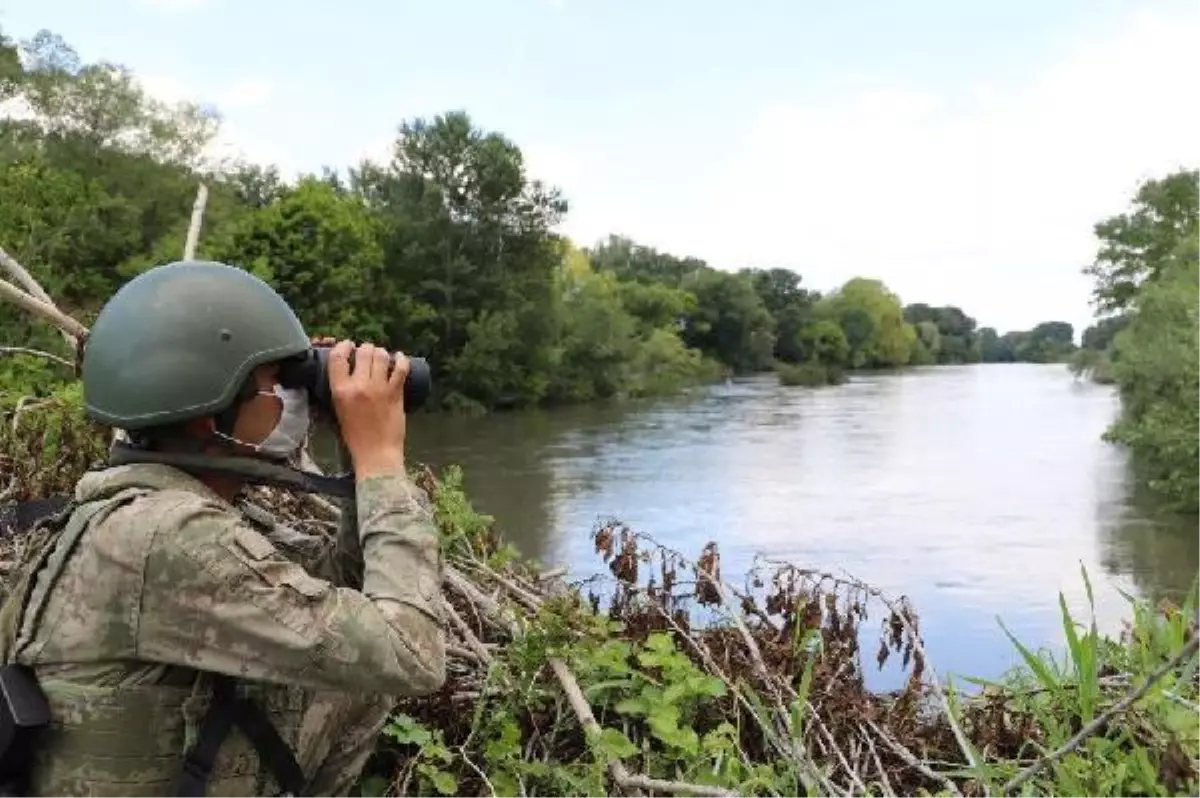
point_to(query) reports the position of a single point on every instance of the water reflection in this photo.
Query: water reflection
(1156, 551)
(978, 491)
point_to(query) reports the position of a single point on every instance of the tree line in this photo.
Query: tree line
(1146, 339)
(448, 251)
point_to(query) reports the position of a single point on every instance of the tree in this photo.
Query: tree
(873, 321)
(1157, 370)
(447, 250)
(320, 251)
(1100, 335)
(1135, 245)
(730, 321)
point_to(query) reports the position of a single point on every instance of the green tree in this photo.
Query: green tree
(873, 320)
(730, 321)
(1157, 372)
(1136, 244)
(320, 250)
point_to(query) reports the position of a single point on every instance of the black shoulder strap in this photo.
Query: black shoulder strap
(226, 710)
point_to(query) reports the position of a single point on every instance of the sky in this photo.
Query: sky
(959, 151)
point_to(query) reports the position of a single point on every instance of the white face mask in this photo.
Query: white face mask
(290, 431)
(289, 434)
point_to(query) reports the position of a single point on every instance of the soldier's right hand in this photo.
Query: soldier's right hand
(369, 406)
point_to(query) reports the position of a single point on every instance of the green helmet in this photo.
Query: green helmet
(178, 342)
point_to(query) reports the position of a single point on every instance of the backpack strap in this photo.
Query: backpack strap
(227, 710)
(53, 558)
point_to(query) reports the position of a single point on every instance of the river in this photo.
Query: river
(977, 491)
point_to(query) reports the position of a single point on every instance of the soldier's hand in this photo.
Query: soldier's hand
(370, 406)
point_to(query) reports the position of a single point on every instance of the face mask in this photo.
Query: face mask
(289, 432)
(292, 428)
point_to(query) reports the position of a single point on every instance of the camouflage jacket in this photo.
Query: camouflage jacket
(161, 580)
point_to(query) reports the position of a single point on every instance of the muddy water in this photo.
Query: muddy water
(978, 491)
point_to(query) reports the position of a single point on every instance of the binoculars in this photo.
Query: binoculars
(311, 372)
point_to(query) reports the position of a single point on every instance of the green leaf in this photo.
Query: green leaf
(613, 743)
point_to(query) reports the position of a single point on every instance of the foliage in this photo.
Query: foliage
(945, 334)
(810, 373)
(45, 444)
(1135, 246)
(1158, 373)
(1146, 271)
(448, 250)
(678, 700)
(765, 696)
(1093, 364)
(872, 319)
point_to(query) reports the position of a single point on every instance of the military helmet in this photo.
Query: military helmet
(179, 341)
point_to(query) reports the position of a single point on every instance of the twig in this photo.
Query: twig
(26, 281)
(934, 683)
(1087, 731)
(461, 653)
(553, 573)
(530, 601)
(24, 405)
(911, 760)
(24, 350)
(661, 785)
(751, 646)
(583, 711)
(462, 751)
(883, 778)
(833, 746)
(468, 636)
(44, 309)
(23, 277)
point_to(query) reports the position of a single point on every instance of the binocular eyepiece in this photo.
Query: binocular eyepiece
(311, 372)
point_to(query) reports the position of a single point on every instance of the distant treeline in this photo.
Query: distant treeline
(446, 251)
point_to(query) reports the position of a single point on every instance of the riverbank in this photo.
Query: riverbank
(615, 684)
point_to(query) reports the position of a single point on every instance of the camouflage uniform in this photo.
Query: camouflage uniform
(167, 581)
(158, 594)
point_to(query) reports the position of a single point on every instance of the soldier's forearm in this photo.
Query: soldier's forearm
(401, 553)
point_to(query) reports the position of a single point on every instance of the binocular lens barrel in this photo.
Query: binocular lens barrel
(311, 371)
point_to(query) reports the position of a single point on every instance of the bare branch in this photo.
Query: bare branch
(23, 350)
(26, 281)
(193, 233)
(43, 309)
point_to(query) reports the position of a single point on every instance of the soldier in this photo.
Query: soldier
(187, 647)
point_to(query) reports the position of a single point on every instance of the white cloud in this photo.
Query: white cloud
(984, 199)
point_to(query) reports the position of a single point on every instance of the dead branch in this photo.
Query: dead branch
(45, 310)
(24, 350)
(193, 233)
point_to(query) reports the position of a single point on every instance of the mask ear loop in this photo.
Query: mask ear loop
(224, 421)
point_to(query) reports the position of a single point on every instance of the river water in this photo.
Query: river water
(977, 491)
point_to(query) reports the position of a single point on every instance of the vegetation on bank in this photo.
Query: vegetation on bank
(613, 686)
(1147, 340)
(447, 251)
